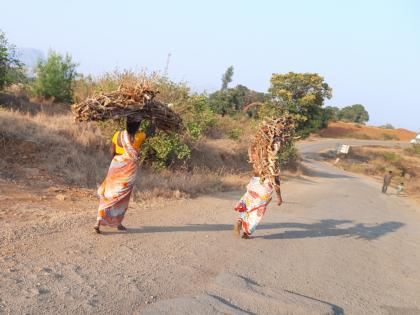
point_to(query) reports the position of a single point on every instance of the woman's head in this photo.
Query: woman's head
(132, 126)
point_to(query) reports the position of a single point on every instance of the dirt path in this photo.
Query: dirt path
(337, 246)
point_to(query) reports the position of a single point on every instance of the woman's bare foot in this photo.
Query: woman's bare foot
(97, 230)
(245, 236)
(237, 228)
(121, 227)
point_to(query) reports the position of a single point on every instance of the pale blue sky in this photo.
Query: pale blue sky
(368, 51)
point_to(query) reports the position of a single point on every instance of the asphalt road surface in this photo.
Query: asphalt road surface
(336, 246)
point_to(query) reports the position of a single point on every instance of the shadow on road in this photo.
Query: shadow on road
(330, 228)
(323, 228)
(335, 308)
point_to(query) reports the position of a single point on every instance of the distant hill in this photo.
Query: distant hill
(341, 129)
(30, 56)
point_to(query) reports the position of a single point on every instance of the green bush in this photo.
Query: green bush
(194, 130)
(55, 78)
(391, 157)
(235, 133)
(11, 69)
(197, 116)
(387, 136)
(163, 149)
(288, 158)
(387, 126)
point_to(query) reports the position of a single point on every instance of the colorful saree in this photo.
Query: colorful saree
(252, 205)
(115, 191)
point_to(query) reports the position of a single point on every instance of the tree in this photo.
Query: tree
(354, 113)
(331, 113)
(55, 77)
(227, 78)
(302, 95)
(233, 100)
(11, 69)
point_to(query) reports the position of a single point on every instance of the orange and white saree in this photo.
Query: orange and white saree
(253, 204)
(115, 191)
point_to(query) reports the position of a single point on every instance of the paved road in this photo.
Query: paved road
(337, 246)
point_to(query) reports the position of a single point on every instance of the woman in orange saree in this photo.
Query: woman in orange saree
(115, 191)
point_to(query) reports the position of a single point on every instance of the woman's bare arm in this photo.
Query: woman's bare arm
(112, 150)
(278, 190)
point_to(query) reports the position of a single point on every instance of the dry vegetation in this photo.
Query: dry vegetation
(272, 136)
(42, 145)
(341, 129)
(376, 161)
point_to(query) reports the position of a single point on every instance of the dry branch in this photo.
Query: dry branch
(272, 137)
(128, 101)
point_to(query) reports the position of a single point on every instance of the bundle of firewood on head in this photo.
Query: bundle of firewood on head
(133, 102)
(272, 137)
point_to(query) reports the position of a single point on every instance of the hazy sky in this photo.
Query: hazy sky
(368, 51)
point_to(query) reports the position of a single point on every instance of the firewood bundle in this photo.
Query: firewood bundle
(135, 102)
(273, 136)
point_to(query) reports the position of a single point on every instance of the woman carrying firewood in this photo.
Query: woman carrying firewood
(115, 191)
(272, 137)
(252, 206)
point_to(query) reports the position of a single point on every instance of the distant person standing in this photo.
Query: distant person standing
(387, 181)
(400, 189)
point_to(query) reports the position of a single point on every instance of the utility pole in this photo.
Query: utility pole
(168, 59)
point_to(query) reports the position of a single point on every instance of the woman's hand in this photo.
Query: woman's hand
(279, 200)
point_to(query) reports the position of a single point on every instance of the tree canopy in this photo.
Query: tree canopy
(227, 78)
(233, 100)
(55, 77)
(11, 69)
(302, 95)
(354, 113)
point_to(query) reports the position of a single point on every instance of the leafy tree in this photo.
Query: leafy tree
(302, 95)
(233, 100)
(11, 69)
(227, 78)
(354, 113)
(55, 78)
(331, 113)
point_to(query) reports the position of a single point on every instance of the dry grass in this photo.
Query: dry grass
(55, 144)
(341, 129)
(64, 152)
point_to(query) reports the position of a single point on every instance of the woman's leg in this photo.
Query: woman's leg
(96, 227)
(237, 228)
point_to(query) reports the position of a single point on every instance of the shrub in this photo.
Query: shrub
(413, 150)
(163, 149)
(391, 157)
(288, 158)
(11, 69)
(55, 78)
(197, 115)
(387, 136)
(194, 130)
(387, 126)
(235, 133)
